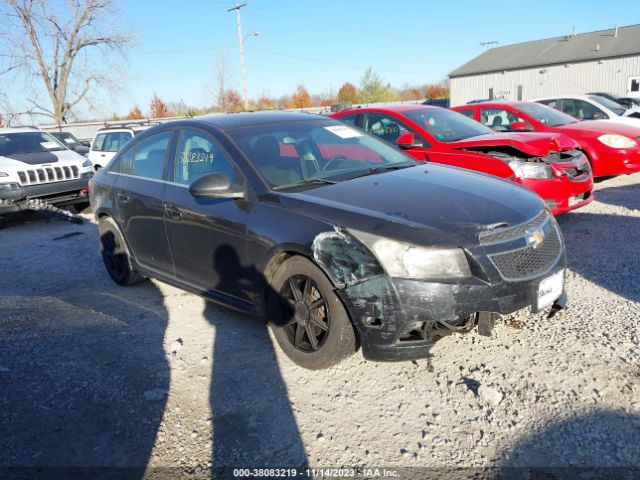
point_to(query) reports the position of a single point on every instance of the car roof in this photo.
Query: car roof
(575, 97)
(264, 117)
(398, 108)
(489, 103)
(20, 129)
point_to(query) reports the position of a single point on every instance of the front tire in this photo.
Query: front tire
(307, 318)
(115, 254)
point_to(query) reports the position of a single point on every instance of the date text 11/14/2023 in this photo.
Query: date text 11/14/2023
(315, 473)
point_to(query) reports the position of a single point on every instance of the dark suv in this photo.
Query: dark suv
(339, 239)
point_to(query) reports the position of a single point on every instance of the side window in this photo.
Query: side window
(550, 103)
(123, 164)
(350, 119)
(197, 155)
(500, 119)
(587, 111)
(98, 142)
(467, 112)
(383, 126)
(147, 158)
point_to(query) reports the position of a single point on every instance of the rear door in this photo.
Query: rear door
(138, 190)
(207, 236)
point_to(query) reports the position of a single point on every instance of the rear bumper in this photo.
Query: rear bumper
(58, 193)
(385, 310)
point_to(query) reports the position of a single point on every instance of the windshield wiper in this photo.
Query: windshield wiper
(376, 170)
(309, 182)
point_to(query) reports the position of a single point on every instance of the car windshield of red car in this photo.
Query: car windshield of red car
(547, 115)
(446, 125)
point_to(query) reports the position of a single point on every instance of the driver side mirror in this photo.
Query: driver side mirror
(519, 127)
(215, 185)
(408, 140)
(599, 116)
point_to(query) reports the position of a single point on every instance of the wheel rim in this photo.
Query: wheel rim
(115, 261)
(306, 314)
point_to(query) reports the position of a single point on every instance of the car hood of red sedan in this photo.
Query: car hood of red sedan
(595, 128)
(537, 144)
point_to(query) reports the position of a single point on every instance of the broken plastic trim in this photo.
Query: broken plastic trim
(346, 259)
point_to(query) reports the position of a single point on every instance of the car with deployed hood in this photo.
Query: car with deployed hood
(626, 102)
(611, 148)
(34, 165)
(337, 238)
(549, 164)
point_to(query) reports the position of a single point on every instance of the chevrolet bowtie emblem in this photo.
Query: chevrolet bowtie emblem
(535, 237)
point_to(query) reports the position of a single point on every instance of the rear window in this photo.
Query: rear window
(28, 142)
(110, 141)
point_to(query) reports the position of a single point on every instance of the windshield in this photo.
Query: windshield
(615, 107)
(27, 142)
(314, 152)
(69, 140)
(547, 115)
(446, 125)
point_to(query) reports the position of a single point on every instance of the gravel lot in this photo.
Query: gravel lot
(92, 374)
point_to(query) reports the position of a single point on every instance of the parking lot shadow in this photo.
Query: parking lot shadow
(253, 420)
(598, 446)
(627, 196)
(83, 373)
(593, 249)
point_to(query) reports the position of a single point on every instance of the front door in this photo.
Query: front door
(207, 236)
(139, 189)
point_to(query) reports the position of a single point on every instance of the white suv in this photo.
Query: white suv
(34, 165)
(108, 141)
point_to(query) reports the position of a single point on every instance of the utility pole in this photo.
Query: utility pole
(241, 43)
(488, 43)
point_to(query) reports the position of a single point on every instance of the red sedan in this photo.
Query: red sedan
(549, 164)
(612, 148)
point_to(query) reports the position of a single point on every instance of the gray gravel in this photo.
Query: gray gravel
(96, 375)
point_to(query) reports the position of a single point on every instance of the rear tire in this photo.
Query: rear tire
(307, 318)
(115, 254)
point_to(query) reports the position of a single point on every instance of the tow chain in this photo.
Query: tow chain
(39, 205)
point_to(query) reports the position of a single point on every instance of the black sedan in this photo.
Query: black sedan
(337, 238)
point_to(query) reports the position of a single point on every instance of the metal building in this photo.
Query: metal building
(606, 61)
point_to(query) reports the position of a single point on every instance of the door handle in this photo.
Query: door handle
(122, 198)
(172, 212)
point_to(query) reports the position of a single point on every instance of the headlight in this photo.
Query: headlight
(404, 260)
(617, 141)
(87, 163)
(530, 170)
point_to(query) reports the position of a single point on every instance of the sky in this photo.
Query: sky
(322, 44)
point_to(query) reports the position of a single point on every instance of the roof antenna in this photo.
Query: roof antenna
(615, 34)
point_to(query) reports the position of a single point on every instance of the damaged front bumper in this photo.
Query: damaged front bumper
(400, 319)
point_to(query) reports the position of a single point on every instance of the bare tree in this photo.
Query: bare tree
(222, 97)
(54, 41)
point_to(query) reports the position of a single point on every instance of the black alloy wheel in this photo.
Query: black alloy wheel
(307, 318)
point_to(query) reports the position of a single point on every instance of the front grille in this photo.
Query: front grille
(532, 260)
(37, 176)
(510, 233)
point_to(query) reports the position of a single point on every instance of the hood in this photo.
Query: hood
(595, 128)
(535, 144)
(632, 112)
(24, 160)
(426, 204)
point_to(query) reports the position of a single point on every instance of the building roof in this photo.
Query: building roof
(554, 51)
